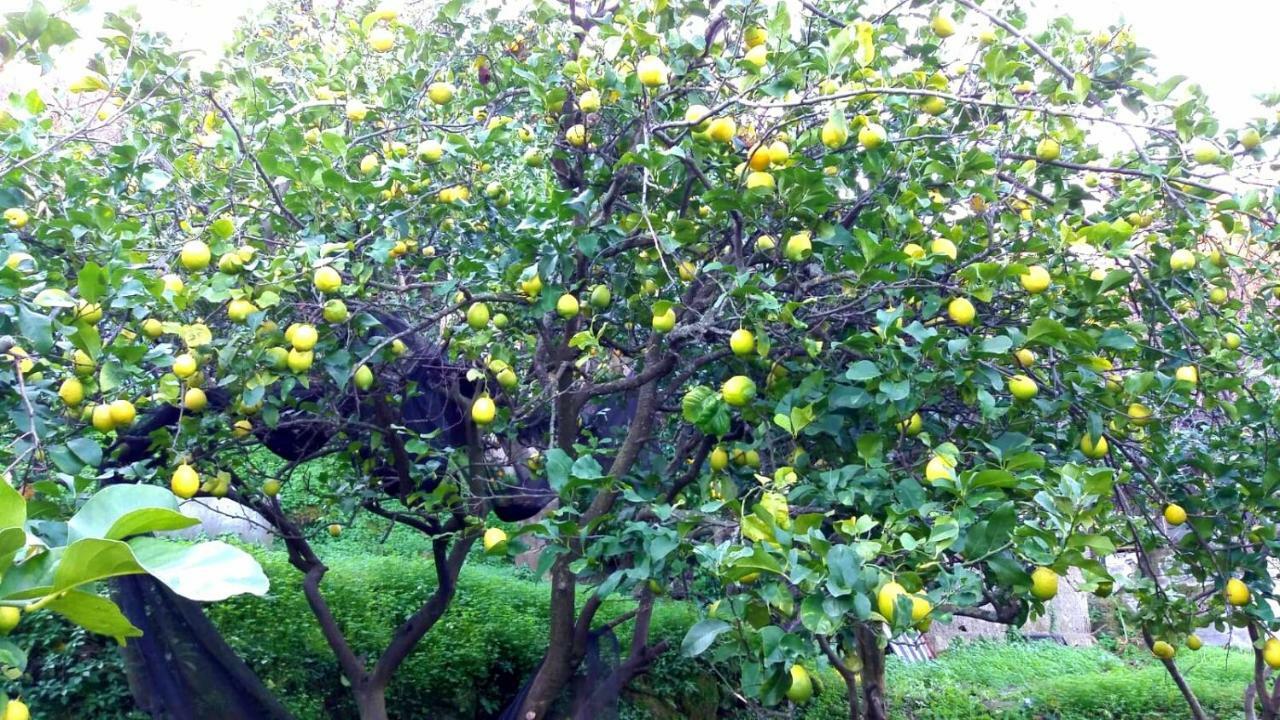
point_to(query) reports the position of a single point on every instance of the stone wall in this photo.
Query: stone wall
(1066, 616)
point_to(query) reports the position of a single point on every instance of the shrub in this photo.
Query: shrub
(71, 674)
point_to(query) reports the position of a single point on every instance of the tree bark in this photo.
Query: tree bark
(849, 676)
(561, 661)
(1193, 703)
(873, 686)
(371, 703)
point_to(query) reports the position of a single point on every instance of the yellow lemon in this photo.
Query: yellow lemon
(483, 410)
(185, 482)
(961, 311)
(1035, 280)
(1174, 514)
(1044, 583)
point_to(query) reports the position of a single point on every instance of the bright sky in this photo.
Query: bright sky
(1227, 46)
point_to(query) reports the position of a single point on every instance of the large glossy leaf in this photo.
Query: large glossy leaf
(701, 636)
(13, 507)
(12, 539)
(92, 559)
(12, 656)
(207, 571)
(117, 512)
(31, 578)
(95, 614)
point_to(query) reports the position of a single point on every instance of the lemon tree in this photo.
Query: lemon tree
(834, 320)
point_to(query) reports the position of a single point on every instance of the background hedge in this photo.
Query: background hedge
(494, 633)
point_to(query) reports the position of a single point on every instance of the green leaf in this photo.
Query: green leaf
(36, 329)
(701, 636)
(153, 181)
(95, 614)
(333, 141)
(13, 507)
(1045, 329)
(12, 656)
(205, 572)
(120, 511)
(814, 617)
(862, 370)
(12, 539)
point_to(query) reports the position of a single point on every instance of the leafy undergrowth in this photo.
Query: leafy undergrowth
(494, 634)
(1046, 681)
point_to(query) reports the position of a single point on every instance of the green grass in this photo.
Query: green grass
(1046, 681)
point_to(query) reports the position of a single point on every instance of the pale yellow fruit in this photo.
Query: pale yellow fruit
(961, 311)
(872, 136)
(381, 39)
(738, 390)
(1138, 414)
(173, 283)
(742, 342)
(943, 246)
(1203, 151)
(16, 710)
(1271, 653)
(1174, 514)
(495, 539)
(195, 255)
(1162, 650)
(1237, 593)
(100, 418)
(1044, 583)
(1023, 387)
(1187, 374)
(567, 306)
(194, 400)
(1025, 357)
(1048, 150)
(1194, 642)
(441, 92)
(798, 247)
(589, 101)
(16, 217)
(576, 135)
(943, 26)
(71, 391)
(913, 425)
(1182, 260)
(664, 322)
(651, 71)
(9, 618)
(719, 459)
(483, 410)
(122, 413)
(299, 361)
(478, 316)
(1035, 280)
(185, 481)
(762, 180)
(304, 337)
(834, 135)
(326, 279)
(722, 130)
(241, 429)
(1093, 449)
(356, 110)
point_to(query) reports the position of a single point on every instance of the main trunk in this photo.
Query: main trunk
(873, 690)
(371, 703)
(556, 669)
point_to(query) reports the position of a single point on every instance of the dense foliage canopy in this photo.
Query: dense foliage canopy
(835, 319)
